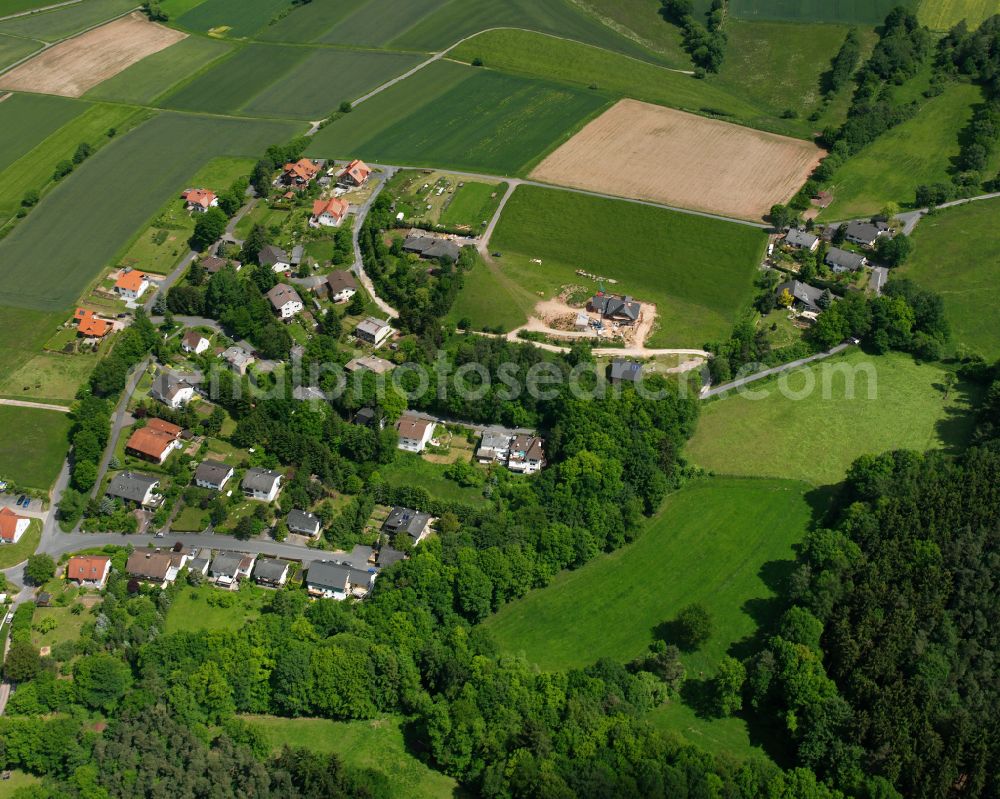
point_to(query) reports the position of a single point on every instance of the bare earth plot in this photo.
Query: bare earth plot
(648, 152)
(76, 65)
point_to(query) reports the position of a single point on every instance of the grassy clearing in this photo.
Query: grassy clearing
(918, 151)
(861, 12)
(941, 15)
(51, 26)
(192, 612)
(957, 254)
(699, 272)
(240, 18)
(12, 554)
(101, 205)
(143, 82)
(473, 204)
(18, 779)
(68, 625)
(379, 745)
(27, 119)
(640, 21)
(482, 121)
(816, 439)
(49, 377)
(33, 445)
(14, 49)
(409, 469)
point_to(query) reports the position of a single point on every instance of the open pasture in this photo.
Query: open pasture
(32, 446)
(72, 67)
(51, 26)
(232, 18)
(107, 199)
(941, 15)
(469, 119)
(27, 119)
(699, 272)
(651, 153)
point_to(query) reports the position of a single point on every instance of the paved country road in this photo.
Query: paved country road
(785, 367)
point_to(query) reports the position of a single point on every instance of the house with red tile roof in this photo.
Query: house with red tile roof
(200, 200)
(355, 173)
(301, 173)
(131, 284)
(329, 213)
(90, 325)
(155, 441)
(12, 526)
(89, 570)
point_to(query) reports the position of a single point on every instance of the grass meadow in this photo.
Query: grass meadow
(99, 208)
(240, 18)
(410, 469)
(46, 376)
(957, 254)
(379, 744)
(191, 611)
(816, 439)
(469, 119)
(51, 26)
(699, 272)
(473, 204)
(941, 15)
(32, 446)
(27, 119)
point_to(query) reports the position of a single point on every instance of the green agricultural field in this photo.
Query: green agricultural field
(918, 151)
(191, 610)
(957, 254)
(473, 204)
(699, 272)
(177, 8)
(27, 119)
(24, 333)
(32, 446)
(907, 409)
(309, 22)
(35, 168)
(640, 21)
(374, 23)
(238, 18)
(941, 15)
(8, 7)
(482, 120)
(51, 26)
(14, 49)
(143, 82)
(861, 12)
(379, 745)
(99, 207)
(410, 469)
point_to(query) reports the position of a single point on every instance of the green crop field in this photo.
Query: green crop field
(107, 199)
(14, 49)
(751, 435)
(8, 7)
(148, 79)
(241, 18)
(379, 745)
(32, 446)
(374, 23)
(941, 15)
(472, 119)
(27, 119)
(177, 8)
(957, 254)
(699, 272)
(51, 26)
(862, 12)
(24, 333)
(918, 151)
(640, 21)
(473, 204)
(309, 22)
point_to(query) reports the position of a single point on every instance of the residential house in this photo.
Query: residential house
(801, 240)
(90, 325)
(414, 432)
(303, 523)
(274, 257)
(229, 567)
(300, 173)
(387, 556)
(271, 572)
(527, 454)
(155, 441)
(90, 571)
(213, 475)
(238, 359)
(285, 300)
(625, 371)
(171, 390)
(804, 296)
(131, 284)
(298, 253)
(355, 173)
(199, 566)
(844, 260)
(494, 446)
(12, 526)
(366, 417)
(213, 264)
(261, 484)
(329, 213)
(431, 247)
(195, 342)
(154, 566)
(341, 286)
(332, 580)
(135, 488)
(370, 363)
(373, 331)
(199, 200)
(409, 522)
(622, 309)
(865, 234)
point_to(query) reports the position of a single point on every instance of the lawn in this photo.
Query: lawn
(191, 519)
(379, 745)
(67, 627)
(817, 438)
(726, 543)
(470, 119)
(12, 554)
(941, 15)
(473, 204)
(33, 445)
(919, 150)
(699, 272)
(18, 779)
(192, 612)
(14, 49)
(148, 79)
(51, 26)
(957, 254)
(27, 119)
(861, 12)
(237, 18)
(409, 469)
(99, 207)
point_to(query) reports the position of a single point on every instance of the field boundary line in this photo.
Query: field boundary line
(42, 406)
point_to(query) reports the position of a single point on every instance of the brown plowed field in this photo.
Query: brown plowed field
(72, 67)
(648, 152)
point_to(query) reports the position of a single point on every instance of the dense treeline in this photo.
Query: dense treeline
(844, 64)
(706, 43)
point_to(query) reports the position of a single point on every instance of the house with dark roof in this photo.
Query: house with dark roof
(194, 342)
(414, 432)
(623, 310)
(271, 572)
(332, 580)
(373, 331)
(285, 300)
(229, 567)
(274, 257)
(865, 234)
(801, 240)
(844, 260)
(155, 566)
(366, 417)
(431, 247)
(213, 475)
(804, 296)
(409, 522)
(625, 371)
(387, 556)
(493, 446)
(170, 389)
(527, 454)
(341, 285)
(303, 523)
(261, 484)
(135, 488)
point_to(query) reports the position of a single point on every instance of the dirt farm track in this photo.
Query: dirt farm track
(72, 67)
(648, 152)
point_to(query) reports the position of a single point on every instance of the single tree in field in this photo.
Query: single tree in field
(692, 627)
(208, 229)
(39, 570)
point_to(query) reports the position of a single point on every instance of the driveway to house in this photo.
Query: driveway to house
(121, 420)
(877, 280)
(707, 392)
(42, 406)
(359, 266)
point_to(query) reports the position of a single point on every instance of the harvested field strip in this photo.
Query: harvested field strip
(51, 26)
(27, 119)
(941, 15)
(241, 18)
(109, 197)
(650, 153)
(72, 67)
(142, 83)
(13, 49)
